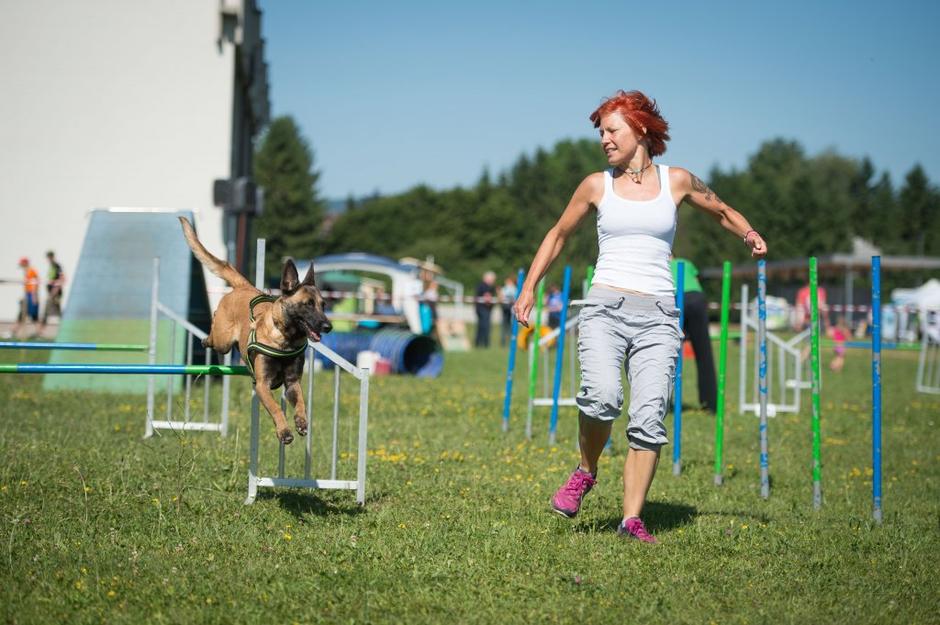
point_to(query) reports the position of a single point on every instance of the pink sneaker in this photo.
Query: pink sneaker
(634, 528)
(567, 500)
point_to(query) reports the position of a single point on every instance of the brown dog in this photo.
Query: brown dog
(271, 333)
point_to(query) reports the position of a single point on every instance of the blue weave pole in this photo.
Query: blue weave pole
(512, 356)
(762, 370)
(876, 387)
(560, 355)
(677, 393)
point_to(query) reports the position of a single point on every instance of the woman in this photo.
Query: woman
(630, 310)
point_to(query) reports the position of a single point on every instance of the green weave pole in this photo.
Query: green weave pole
(722, 371)
(534, 355)
(814, 340)
(588, 280)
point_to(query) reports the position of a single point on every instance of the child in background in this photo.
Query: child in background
(839, 334)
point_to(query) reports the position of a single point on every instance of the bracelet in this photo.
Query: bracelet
(748, 233)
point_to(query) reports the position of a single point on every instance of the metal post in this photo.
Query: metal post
(189, 379)
(742, 356)
(363, 433)
(226, 386)
(255, 425)
(169, 381)
(205, 394)
(152, 345)
(335, 421)
(280, 445)
(677, 392)
(308, 445)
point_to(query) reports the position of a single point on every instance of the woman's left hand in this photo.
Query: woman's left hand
(757, 244)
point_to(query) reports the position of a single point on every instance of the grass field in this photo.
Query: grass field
(99, 525)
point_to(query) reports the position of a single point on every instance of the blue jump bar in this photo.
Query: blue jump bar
(127, 369)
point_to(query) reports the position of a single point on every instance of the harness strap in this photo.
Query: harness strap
(261, 348)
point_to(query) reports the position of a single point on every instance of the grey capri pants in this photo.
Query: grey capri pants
(614, 326)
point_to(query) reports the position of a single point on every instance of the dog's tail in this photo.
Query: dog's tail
(217, 266)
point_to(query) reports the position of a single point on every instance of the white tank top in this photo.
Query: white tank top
(635, 239)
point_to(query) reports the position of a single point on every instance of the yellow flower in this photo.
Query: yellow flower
(111, 594)
(287, 536)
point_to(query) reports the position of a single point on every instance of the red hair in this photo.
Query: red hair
(640, 112)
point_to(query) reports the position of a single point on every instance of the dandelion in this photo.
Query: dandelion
(111, 594)
(287, 536)
(402, 526)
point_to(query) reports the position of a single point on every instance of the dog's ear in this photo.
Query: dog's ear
(290, 281)
(310, 278)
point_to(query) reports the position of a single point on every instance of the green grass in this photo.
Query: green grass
(97, 524)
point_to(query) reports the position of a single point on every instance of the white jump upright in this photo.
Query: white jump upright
(928, 364)
(785, 367)
(255, 480)
(157, 308)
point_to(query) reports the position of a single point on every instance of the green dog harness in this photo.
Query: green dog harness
(261, 348)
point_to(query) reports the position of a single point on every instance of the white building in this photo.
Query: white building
(112, 103)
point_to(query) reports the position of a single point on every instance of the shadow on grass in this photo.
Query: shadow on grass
(303, 504)
(657, 515)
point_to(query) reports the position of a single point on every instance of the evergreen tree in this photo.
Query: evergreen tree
(919, 213)
(293, 212)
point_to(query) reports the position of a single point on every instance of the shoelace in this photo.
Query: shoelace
(577, 482)
(639, 530)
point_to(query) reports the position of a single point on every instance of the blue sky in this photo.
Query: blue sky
(392, 94)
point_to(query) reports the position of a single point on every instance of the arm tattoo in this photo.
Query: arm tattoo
(701, 187)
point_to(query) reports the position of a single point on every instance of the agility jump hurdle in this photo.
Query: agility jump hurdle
(928, 364)
(255, 480)
(157, 308)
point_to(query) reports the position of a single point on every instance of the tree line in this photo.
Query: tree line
(803, 205)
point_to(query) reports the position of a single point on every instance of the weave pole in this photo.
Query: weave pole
(512, 356)
(722, 371)
(817, 378)
(762, 370)
(677, 392)
(534, 356)
(560, 355)
(93, 347)
(876, 388)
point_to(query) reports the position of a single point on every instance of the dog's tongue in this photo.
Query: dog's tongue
(314, 336)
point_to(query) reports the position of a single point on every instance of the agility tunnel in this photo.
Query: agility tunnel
(408, 353)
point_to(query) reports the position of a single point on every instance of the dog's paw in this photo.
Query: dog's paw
(301, 424)
(285, 437)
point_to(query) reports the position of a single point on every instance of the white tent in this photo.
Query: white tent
(926, 295)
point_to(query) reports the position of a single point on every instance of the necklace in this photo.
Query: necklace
(636, 175)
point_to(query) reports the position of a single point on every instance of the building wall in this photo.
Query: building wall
(108, 104)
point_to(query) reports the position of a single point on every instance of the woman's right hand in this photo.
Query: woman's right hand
(523, 306)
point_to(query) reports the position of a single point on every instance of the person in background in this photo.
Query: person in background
(428, 308)
(695, 327)
(55, 281)
(484, 308)
(29, 305)
(507, 297)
